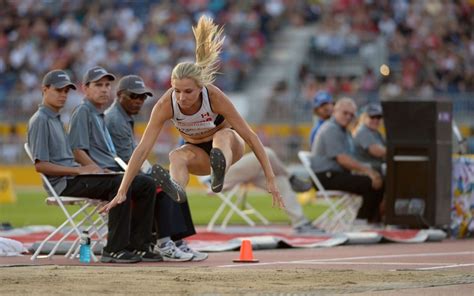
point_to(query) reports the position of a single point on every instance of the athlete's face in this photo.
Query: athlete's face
(187, 93)
(98, 91)
(55, 98)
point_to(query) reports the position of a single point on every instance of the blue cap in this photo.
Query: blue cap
(321, 97)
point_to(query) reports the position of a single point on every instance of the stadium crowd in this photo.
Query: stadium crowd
(430, 46)
(144, 37)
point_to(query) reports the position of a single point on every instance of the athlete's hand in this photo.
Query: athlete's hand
(276, 197)
(118, 199)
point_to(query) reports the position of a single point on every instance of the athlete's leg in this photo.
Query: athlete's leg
(183, 160)
(188, 159)
(231, 145)
(228, 147)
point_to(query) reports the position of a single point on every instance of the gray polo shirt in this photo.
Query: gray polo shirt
(120, 126)
(47, 141)
(331, 140)
(363, 139)
(87, 131)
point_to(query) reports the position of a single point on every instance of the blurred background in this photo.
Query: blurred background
(277, 54)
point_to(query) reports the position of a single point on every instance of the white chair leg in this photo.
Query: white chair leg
(70, 220)
(61, 201)
(257, 213)
(233, 208)
(40, 247)
(225, 202)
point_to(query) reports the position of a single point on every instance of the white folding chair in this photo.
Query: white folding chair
(342, 206)
(235, 201)
(96, 225)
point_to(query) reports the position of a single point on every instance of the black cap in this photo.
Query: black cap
(374, 110)
(96, 73)
(133, 84)
(58, 79)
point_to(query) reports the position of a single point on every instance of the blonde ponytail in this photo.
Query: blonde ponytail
(209, 42)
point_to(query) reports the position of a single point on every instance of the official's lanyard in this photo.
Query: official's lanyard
(107, 137)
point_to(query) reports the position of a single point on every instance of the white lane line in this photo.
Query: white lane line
(448, 266)
(398, 256)
(377, 263)
(352, 258)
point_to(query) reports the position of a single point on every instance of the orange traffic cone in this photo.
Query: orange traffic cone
(246, 254)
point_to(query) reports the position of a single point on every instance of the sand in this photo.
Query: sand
(98, 280)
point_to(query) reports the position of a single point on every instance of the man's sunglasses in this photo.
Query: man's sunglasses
(376, 117)
(134, 96)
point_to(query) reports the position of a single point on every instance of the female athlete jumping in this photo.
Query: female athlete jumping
(213, 130)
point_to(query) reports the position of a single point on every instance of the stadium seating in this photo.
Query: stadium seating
(77, 220)
(342, 206)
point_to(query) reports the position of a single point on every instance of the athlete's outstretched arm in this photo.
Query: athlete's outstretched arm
(160, 114)
(221, 104)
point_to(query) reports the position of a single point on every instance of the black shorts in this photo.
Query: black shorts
(206, 146)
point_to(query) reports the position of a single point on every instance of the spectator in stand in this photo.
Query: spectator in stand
(278, 107)
(426, 40)
(370, 145)
(145, 37)
(368, 82)
(334, 163)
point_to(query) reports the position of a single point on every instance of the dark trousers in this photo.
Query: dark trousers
(172, 219)
(124, 232)
(358, 184)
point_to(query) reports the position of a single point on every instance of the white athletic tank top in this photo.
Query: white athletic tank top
(200, 122)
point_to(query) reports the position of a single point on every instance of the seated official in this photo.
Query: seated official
(53, 157)
(333, 162)
(92, 145)
(323, 106)
(370, 147)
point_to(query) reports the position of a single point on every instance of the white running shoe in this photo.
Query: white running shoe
(172, 253)
(197, 256)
